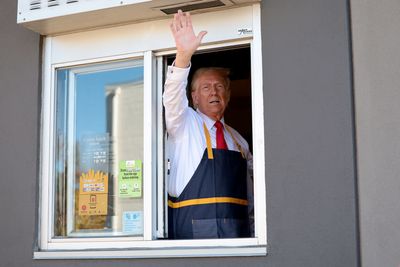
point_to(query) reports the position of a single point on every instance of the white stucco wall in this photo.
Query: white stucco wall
(376, 48)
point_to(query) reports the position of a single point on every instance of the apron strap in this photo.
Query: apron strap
(208, 141)
(239, 147)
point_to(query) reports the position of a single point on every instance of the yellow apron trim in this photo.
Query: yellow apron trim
(208, 141)
(209, 200)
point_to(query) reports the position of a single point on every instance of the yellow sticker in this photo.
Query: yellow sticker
(94, 204)
(93, 193)
(93, 182)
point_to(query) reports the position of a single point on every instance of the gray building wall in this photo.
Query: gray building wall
(310, 172)
(311, 212)
(376, 39)
(19, 122)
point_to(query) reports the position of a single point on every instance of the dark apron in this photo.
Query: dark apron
(214, 202)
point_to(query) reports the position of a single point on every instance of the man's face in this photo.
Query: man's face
(211, 95)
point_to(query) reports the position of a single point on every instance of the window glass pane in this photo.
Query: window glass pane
(99, 150)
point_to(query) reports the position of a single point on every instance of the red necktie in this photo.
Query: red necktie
(221, 144)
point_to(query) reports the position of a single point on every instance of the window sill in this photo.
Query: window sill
(154, 253)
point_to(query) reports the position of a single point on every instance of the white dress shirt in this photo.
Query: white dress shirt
(186, 139)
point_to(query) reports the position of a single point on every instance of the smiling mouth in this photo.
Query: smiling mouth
(214, 101)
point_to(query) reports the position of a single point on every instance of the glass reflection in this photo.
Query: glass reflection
(99, 150)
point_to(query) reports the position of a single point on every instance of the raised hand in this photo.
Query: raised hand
(185, 39)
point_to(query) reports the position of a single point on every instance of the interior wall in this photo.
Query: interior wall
(309, 141)
(376, 45)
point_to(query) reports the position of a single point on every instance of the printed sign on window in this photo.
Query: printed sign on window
(94, 152)
(130, 178)
(93, 193)
(132, 222)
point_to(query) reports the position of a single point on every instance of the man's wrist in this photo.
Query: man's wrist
(182, 60)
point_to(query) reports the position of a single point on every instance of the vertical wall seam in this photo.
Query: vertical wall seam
(35, 244)
(354, 132)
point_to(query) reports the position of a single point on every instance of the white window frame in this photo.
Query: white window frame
(150, 247)
(71, 154)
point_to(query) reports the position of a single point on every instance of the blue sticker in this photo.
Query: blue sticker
(132, 222)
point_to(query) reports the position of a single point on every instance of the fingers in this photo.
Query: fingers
(200, 36)
(182, 30)
(172, 27)
(188, 20)
(175, 24)
(181, 20)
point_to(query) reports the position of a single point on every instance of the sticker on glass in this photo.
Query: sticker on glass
(132, 222)
(93, 193)
(130, 178)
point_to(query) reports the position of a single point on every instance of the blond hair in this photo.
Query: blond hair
(223, 72)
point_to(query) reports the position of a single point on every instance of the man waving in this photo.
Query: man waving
(209, 184)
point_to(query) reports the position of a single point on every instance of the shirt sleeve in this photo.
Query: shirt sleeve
(174, 98)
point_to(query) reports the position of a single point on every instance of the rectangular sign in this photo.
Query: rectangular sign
(130, 178)
(94, 152)
(93, 193)
(132, 222)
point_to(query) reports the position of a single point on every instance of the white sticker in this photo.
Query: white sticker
(245, 31)
(132, 222)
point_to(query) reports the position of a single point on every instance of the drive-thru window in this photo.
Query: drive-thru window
(103, 164)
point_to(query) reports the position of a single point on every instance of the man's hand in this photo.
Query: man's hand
(185, 40)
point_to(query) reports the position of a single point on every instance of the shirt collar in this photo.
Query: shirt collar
(208, 121)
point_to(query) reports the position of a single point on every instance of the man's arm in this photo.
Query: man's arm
(174, 98)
